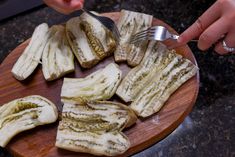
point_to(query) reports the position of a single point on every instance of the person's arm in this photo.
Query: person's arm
(65, 6)
(216, 23)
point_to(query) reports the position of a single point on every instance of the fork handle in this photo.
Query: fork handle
(175, 37)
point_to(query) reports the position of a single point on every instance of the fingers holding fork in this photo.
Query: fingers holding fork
(65, 6)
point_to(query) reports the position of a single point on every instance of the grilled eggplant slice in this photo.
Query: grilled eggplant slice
(80, 44)
(95, 127)
(57, 58)
(136, 53)
(130, 23)
(99, 37)
(89, 39)
(156, 58)
(100, 85)
(97, 143)
(151, 83)
(31, 56)
(152, 98)
(24, 114)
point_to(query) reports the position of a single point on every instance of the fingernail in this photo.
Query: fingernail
(202, 47)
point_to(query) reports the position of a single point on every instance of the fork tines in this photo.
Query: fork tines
(143, 35)
(116, 33)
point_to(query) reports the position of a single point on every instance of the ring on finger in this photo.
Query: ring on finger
(228, 49)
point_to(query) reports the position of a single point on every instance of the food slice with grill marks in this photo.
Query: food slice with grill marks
(57, 58)
(100, 85)
(24, 114)
(95, 127)
(97, 143)
(151, 99)
(151, 83)
(155, 58)
(89, 39)
(130, 23)
(29, 59)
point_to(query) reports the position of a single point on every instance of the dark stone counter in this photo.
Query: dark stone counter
(209, 130)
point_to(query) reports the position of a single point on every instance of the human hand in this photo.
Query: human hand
(65, 6)
(217, 22)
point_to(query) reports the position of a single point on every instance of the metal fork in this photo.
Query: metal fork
(107, 22)
(158, 33)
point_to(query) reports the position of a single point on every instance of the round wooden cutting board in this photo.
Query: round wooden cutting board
(40, 141)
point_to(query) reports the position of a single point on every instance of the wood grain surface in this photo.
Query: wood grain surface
(40, 141)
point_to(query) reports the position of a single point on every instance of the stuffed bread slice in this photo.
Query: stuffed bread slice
(100, 85)
(57, 58)
(89, 39)
(95, 127)
(130, 23)
(24, 114)
(31, 56)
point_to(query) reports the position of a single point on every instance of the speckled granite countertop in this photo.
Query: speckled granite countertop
(209, 130)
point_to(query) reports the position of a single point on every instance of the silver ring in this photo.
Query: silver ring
(228, 49)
